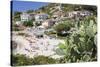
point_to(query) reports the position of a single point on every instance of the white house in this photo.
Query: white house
(85, 13)
(25, 17)
(48, 23)
(78, 14)
(39, 31)
(41, 17)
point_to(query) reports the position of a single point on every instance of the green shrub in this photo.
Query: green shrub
(15, 28)
(28, 23)
(63, 26)
(37, 24)
(43, 60)
(20, 60)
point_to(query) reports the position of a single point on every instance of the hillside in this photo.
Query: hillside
(52, 7)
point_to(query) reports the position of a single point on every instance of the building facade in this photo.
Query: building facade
(25, 17)
(41, 17)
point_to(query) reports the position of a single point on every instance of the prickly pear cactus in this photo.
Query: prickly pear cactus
(79, 46)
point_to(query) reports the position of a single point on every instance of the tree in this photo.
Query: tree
(30, 11)
(17, 15)
(90, 8)
(28, 23)
(63, 26)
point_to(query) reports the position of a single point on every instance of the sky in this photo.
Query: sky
(23, 6)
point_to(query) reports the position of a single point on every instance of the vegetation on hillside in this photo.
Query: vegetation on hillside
(28, 23)
(16, 16)
(64, 26)
(80, 45)
(22, 60)
(65, 7)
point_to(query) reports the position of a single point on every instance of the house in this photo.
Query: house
(32, 15)
(25, 17)
(71, 14)
(48, 23)
(85, 13)
(39, 31)
(77, 14)
(41, 17)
